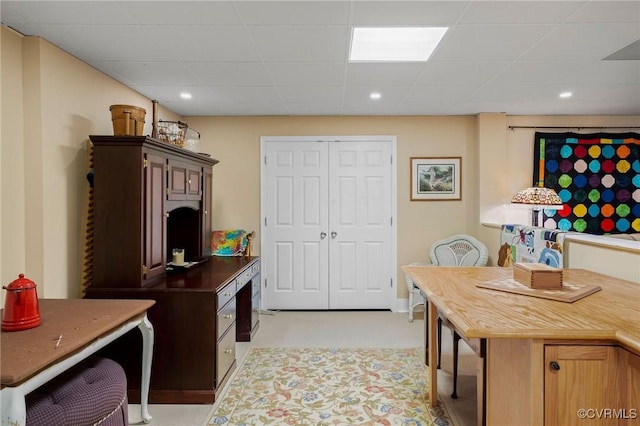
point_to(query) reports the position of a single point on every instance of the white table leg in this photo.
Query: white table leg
(14, 408)
(146, 328)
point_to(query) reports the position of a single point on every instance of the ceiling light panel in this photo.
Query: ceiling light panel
(409, 44)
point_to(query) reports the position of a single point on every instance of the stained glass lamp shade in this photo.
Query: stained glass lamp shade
(538, 198)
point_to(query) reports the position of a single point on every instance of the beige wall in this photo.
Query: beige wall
(12, 165)
(51, 102)
(235, 142)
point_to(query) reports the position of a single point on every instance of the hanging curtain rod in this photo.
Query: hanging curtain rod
(572, 127)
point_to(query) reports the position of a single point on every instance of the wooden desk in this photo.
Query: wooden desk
(524, 335)
(30, 358)
(198, 316)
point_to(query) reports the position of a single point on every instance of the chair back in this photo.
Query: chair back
(459, 250)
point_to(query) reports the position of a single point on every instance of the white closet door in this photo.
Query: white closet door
(360, 225)
(296, 254)
(327, 237)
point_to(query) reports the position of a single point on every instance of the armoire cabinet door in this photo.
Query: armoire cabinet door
(207, 206)
(155, 226)
(185, 181)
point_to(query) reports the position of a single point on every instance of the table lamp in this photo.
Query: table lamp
(538, 198)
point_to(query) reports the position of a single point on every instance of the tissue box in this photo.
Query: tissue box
(537, 275)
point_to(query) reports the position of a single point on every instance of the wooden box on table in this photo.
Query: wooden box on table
(537, 275)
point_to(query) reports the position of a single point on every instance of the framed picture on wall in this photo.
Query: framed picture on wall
(435, 178)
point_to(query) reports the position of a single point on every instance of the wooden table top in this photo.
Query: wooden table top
(79, 321)
(610, 314)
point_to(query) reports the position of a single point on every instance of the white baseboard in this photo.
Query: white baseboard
(402, 305)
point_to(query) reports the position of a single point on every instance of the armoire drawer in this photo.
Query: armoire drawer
(226, 316)
(225, 355)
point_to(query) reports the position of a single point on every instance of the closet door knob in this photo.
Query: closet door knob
(554, 366)
(334, 234)
(323, 235)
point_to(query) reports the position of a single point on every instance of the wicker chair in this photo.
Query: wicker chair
(458, 250)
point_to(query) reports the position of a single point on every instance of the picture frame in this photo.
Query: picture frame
(436, 178)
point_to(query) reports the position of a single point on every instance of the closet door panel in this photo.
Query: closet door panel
(297, 259)
(360, 223)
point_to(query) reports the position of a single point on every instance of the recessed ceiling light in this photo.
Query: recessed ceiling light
(375, 95)
(566, 94)
(185, 95)
(402, 44)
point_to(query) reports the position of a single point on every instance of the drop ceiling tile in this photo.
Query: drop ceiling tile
(535, 73)
(291, 13)
(148, 73)
(476, 107)
(306, 74)
(182, 12)
(367, 109)
(607, 11)
(424, 108)
(407, 13)
(488, 43)
(358, 98)
(451, 73)
(314, 108)
(255, 108)
(108, 42)
(204, 43)
(246, 94)
(379, 75)
(501, 93)
(622, 72)
(620, 108)
(11, 11)
(582, 42)
(71, 12)
(229, 74)
(315, 95)
(519, 12)
(301, 44)
(171, 93)
(438, 93)
(630, 52)
(570, 108)
(607, 92)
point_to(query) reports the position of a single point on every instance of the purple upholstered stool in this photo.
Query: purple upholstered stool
(92, 393)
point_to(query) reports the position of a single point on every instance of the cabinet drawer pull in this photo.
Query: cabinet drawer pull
(228, 316)
(228, 294)
(554, 366)
(228, 351)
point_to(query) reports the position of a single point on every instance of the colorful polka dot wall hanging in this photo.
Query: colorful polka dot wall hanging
(597, 176)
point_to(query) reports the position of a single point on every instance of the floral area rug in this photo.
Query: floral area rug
(319, 386)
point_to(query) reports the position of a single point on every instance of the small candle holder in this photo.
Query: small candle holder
(178, 256)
